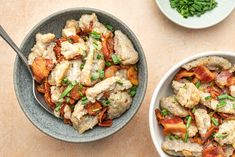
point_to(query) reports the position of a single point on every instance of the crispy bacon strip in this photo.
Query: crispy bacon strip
(41, 68)
(159, 115)
(183, 74)
(47, 95)
(106, 123)
(57, 48)
(132, 75)
(214, 91)
(196, 139)
(107, 46)
(213, 151)
(40, 88)
(173, 125)
(102, 115)
(210, 131)
(93, 108)
(110, 71)
(77, 92)
(227, 116)
(204, 74)
(74, 38)
(231, 81)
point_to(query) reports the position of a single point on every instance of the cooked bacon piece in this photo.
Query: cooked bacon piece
(231, 81)
(40, 88)
(132, 75)
(204, 74)
(41, 68)
(107, 46)
(174, 125)
(209, 132)
(102, 115)
(47, 95)
(222, 78)
(227, 116)
(106, 123)
(159, 115)
(213, 151)
(196, 139)
(110, 71)
(74, 38)
(57, 48)
(77, 92)
(93, 108)
(214, 91)
(183, 74)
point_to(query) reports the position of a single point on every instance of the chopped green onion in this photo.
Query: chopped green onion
(82, 66)
(223, 96)
(101, 73)
(67, 90)
(106, 102)
(186, 137)
(99, 56)
(233, 106)
(119, 82)
(94, 76)
(189, 78)
(116, 59)
(74, 82)
(80, 93)
(72, 107)
(84, 100)
(109, 27)
(231, 97)
(208, 98)
(133, 91)
(57, 108)
(221, 136)
(95, 35)
(164, 112)
(67, 100)
(214, 121)
(189, 118)
(222, 103)
(108, 64)
(171, 137)
(65, 80)
(198, 84)
(193, 110)
(70, 40)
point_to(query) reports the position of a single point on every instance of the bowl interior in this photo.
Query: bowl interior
(210, 18)
(23, 83)
(164, 89)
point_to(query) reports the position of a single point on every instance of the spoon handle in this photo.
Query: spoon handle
(7, 38)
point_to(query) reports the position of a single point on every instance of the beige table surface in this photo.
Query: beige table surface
(164, 44)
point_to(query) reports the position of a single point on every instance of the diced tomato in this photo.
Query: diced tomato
(204, 74)
(183, 74)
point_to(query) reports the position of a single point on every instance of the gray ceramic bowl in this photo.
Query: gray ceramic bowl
(23, 87)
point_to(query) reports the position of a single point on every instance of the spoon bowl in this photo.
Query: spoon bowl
(39, 97)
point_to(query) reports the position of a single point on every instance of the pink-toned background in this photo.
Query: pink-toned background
(164, 44)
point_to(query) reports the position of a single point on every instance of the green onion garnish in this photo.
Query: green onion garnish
(116, 59)
(84, 100)
(198, 84)
(99, 56)
(164, 112)
(106, 102)
(67, 90)
(214, 121)
(189, 118)
(133, 90)
(101, 73)
(222, 103)
(119, 82)
(208, 98)
(221, 136)
(57, 108)
(82, 66)
(95, 35)
(233, 106)
(67, 100)
(193, 110)
(109, 27)
(95, 76)
(186, 137)
(108, 64)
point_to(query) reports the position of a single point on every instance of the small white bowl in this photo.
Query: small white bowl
(210, 18)
(164, 89)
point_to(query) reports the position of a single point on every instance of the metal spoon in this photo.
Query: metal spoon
(39, 97)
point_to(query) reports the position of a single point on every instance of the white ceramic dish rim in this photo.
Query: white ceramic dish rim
(152, 118)
(193, 27)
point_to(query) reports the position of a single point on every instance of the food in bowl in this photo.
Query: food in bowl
(88, 76)
(198, 119)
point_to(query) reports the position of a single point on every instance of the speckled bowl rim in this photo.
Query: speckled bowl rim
(159, 86)
(143, 89)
